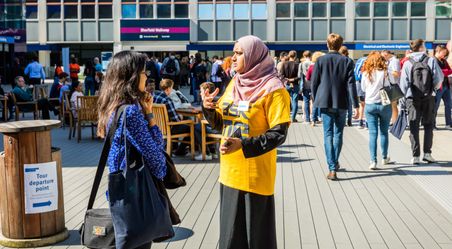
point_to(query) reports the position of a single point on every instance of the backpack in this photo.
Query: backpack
(170, 66)
(200, 73)
(220, 72)
(421, 78)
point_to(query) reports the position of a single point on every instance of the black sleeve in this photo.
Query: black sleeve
(256, 146)
(214, 118)
(351, 84)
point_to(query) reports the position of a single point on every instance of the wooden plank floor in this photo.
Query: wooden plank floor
(364, 209)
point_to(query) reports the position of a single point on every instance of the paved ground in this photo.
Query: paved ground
(397, 207)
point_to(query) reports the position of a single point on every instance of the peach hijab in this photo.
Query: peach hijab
(260, 77)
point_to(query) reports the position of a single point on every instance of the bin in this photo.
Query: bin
(28, 142)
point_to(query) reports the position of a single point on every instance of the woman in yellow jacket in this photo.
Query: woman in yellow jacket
(254, 115)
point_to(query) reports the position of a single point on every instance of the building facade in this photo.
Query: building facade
(90, 26)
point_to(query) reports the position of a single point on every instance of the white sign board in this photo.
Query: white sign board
(41, 187)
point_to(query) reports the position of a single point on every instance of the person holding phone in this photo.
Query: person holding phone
(253, 115)
(126, 85)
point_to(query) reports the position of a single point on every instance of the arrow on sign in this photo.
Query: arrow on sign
(42, 204)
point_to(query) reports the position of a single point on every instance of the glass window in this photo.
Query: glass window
(319, 9)
(205, 31)
(205, 11)
(418, 27)
(283, 30)
(381, 30)
(224, 30)
(259, 11)
(181, 10)
(146, 10)
(53, 11)
(362, 9)
(105, 11)
(241, 11)
(362, 30)
(399, 30)
(301, 10)
(241, 29)
(399, 9)
(381, 9)
(442, 31)
(319, 29)
(417, 9)
(88, 11)
(338, 26)
(283, 10)
(31, 12)
(443, 9)
(302, 30)
(70, 11)
(223, 11)
(129, 11)
(164, 10)
(337, 9)
(259, 29)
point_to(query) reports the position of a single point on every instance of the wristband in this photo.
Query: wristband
(149, 116)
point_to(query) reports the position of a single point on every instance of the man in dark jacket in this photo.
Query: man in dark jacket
(333, 85)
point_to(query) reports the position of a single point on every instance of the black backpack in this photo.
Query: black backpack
(421, 78)
(171, 66)
(200, 73)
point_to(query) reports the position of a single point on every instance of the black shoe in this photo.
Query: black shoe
(294, 120)
(349, 123)
(180, 152)
(337, 167)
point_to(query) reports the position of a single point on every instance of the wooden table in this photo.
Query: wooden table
(195, 112)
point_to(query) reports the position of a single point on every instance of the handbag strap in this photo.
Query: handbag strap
(104, 156)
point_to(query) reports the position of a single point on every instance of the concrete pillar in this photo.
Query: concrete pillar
(430, 8)
(271, 20)
(193, 14)
(350, 20)
(42, 23)
(116, 25)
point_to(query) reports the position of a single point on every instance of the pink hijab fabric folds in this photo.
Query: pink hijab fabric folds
(260, 77)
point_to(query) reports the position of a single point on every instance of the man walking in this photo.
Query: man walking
(171, 69)
(35, 72)
(333, 85)
(216, 72)
(421, 76)
(289, 71)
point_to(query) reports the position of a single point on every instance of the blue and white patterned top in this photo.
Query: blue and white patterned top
(147, 140)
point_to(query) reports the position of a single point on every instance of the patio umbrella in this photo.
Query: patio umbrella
(400, 125)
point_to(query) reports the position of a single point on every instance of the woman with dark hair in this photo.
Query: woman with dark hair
(375, 76)
(443, 93)
(254, 115)
(125, 85)
(90, 74)
(198, 72)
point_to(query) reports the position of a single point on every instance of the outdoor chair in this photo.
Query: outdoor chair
(86, 113)
(163, 122)
(67, 112)
(23, 107)
(215, 138)
(40, 92)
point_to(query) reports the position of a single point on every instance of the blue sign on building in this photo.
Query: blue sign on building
(155, 30)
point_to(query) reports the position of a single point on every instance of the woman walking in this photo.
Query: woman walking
(443, 93)
(90, 74)
(375, 76)
(125, 85)
(254, 116)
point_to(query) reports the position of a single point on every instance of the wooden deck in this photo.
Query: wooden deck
(366, 209)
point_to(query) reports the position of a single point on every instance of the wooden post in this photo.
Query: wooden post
(28, 142)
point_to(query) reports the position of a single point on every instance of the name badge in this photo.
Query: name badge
(244, 106)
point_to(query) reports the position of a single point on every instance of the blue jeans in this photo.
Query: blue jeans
(333, 130)
(307, 98)
(293, 92)
(378, 118)
(444, 94)
(89, 86)
(315, 114)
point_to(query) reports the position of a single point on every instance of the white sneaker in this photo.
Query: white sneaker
(373, 166)
(199, 157)
(214, 155)
(386, 161)
(428, 158)
(416, 160)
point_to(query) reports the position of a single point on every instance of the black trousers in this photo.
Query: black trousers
(35, 81)
(145, 246)
(247, 220)
(421, 112)
(180, 129)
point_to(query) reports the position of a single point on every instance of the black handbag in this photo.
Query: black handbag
(390, 93)
(139, 212)
(172, 179)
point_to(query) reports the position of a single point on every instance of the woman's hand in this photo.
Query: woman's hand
(207, 101)
(230, 145)
(146, 103)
